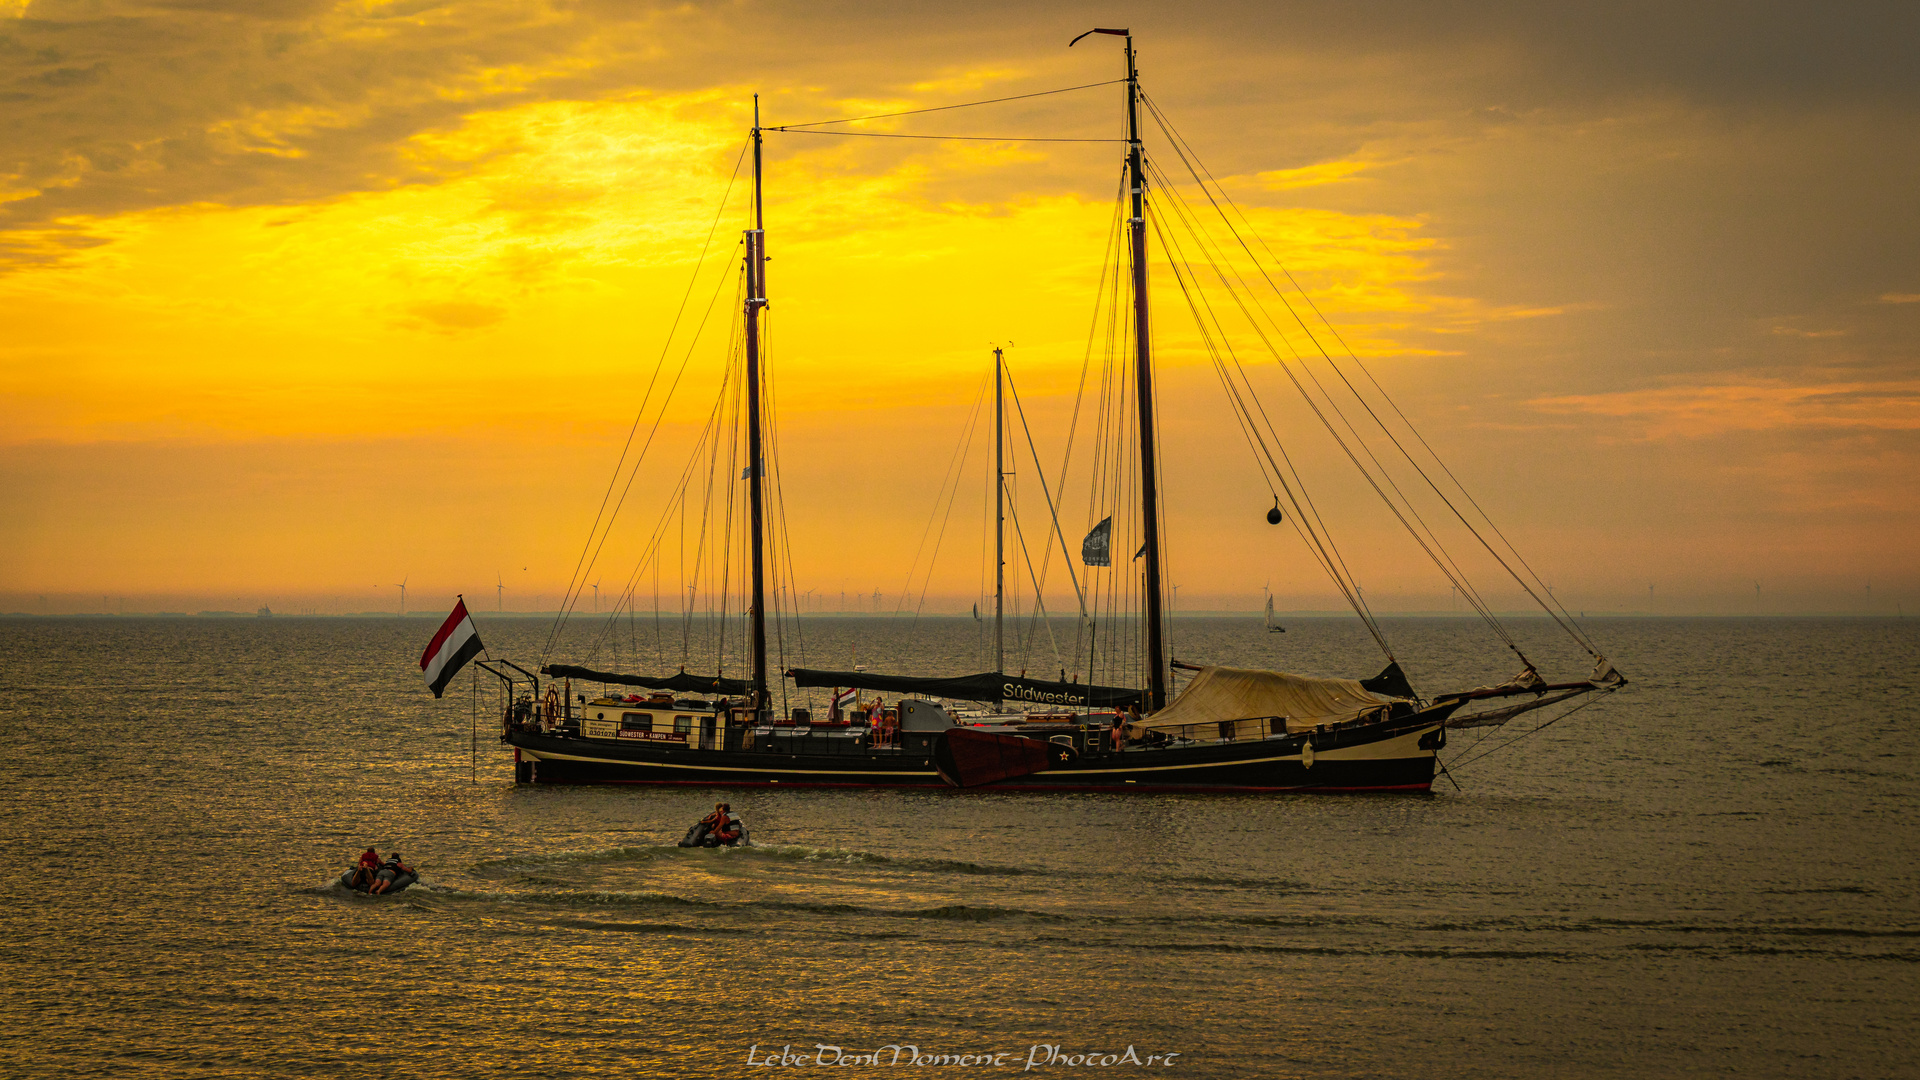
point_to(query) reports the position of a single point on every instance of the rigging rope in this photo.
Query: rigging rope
(675, 509)
(1047, 494)
(1321, 540)
(949, 493)
(575, 583)
(1431, 543)
(1208, 187)
(944, 108)
(1601, 696)
(951, 138)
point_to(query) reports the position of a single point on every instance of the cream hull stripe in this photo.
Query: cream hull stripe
(1401, 746)
(543, 755)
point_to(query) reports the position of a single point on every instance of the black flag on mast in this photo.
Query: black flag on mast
(1097, 548)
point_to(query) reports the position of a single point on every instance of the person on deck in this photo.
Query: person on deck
(366, 868)
(1119, 732)
(389, 872)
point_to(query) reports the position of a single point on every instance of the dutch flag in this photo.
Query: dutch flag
(451, 648)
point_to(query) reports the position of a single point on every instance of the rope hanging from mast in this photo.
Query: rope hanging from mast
(1118, 478)
(1530, 582)
(944, 108)
(603, 520)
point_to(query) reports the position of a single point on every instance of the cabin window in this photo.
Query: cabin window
(683, 724)
(636, 721)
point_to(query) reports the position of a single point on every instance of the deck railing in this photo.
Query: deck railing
(1259, 727)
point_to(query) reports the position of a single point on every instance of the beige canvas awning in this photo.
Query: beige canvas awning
(1223, 694)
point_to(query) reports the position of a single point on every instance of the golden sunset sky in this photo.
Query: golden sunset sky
(301, 299)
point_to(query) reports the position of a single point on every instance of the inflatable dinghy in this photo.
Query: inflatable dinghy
(400, 883)
(701, 836)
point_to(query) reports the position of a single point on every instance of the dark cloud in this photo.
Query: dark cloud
(115, 107)
(109, 106)
(1700, 172)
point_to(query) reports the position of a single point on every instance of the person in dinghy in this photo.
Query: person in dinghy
(391, 875)
(377, 878)
(718, 829)
(361, 877)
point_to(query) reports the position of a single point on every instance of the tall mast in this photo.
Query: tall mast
(1143, 391)
(999, 526)
(756, 299)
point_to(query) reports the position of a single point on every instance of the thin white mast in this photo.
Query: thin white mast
(999, 526)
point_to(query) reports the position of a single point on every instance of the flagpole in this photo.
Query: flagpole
(473, 729)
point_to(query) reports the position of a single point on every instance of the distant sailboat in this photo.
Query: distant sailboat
(1273, 627)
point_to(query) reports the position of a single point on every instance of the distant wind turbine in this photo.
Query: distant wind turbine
(499, 592)
(402, 586)
(596, 596)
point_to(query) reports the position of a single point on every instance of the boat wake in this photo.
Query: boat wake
(625, 854)
(802, 853)
(577, 900)
(512, 865)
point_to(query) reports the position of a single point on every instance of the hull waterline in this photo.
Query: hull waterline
(1380, 757)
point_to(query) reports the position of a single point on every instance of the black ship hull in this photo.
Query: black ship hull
(1384, 756)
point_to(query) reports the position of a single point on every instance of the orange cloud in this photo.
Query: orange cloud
(1315, 175)
(1702, 410)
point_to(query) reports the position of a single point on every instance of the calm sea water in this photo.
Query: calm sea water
(1711, 872)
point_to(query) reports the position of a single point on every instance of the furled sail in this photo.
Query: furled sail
(680, 682)
(986, 686)
(1224, 694)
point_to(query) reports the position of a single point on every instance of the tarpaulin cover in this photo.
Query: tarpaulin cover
(1223, 693)
(680, 682)
(985, 686)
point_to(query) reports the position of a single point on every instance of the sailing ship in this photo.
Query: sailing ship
(1272, 626)
(1229, 729)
